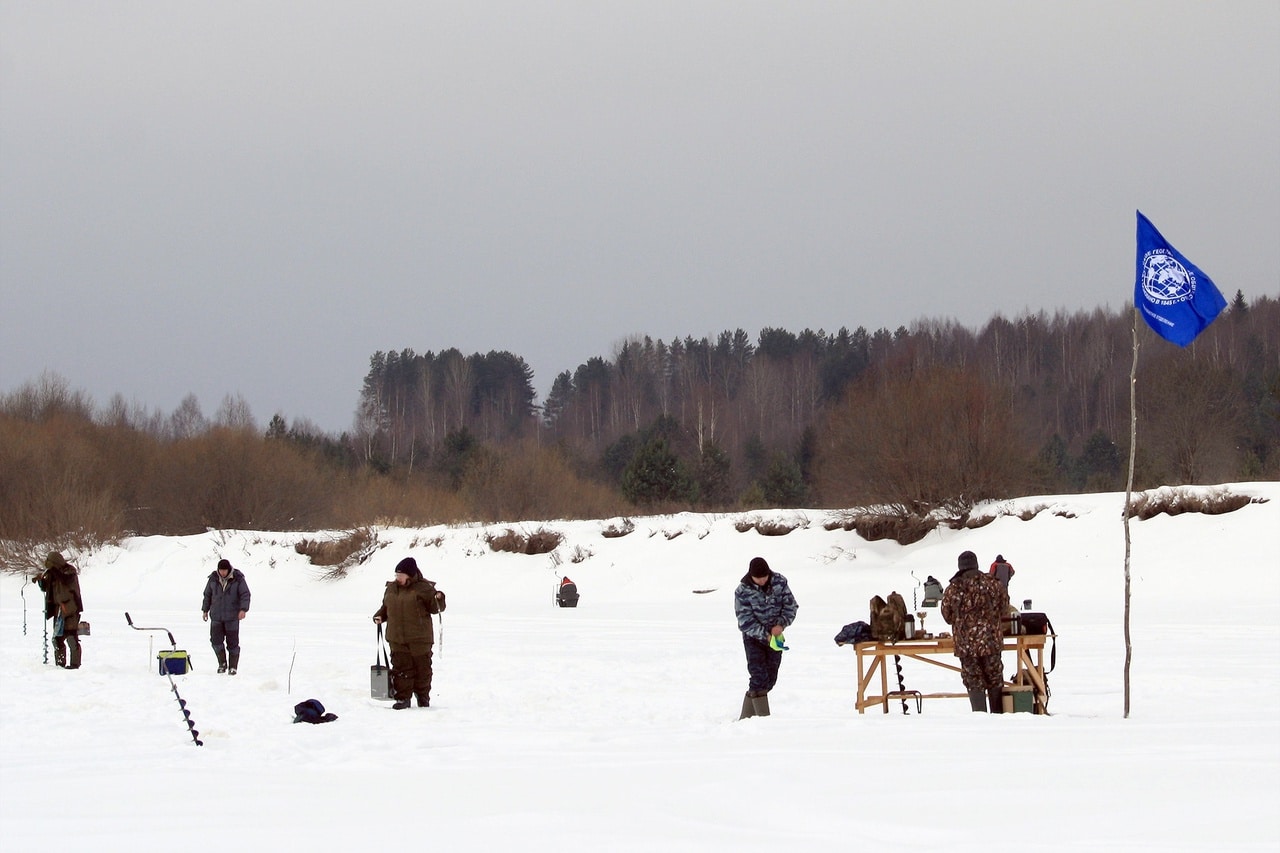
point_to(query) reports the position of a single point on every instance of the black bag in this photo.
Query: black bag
(1038, 623)
(311, 711)
(854, 632)
(1034, 623)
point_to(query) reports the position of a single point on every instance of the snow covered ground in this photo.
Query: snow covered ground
(613, 726)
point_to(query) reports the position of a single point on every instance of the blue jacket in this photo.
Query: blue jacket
(759, 608)
(224, 604)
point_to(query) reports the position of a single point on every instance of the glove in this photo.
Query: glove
(778, 643)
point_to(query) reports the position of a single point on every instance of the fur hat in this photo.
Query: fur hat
(967, 560)
(759, 568)
(224, 564)
(55, 560)
(408, 566)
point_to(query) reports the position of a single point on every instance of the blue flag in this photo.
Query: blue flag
(1176, 299)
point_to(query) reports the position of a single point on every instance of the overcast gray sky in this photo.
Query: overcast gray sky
(253, 197)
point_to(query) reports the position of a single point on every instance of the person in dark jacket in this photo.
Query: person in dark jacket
(62, 604)
(226, 601)
(974, 605)
(407, 605)
(765, 608)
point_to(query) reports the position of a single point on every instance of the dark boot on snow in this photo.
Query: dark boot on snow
(748, 707)
(401, 704)
(996, 697)
(978, 700)
(760, 704)
(222, 660)
(234, 663)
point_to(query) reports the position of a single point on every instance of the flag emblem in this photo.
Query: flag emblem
(1164, 280)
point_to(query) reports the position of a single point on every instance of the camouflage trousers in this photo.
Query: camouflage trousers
(982, 672)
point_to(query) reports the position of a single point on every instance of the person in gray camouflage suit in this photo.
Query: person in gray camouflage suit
(974, 605)
(765, 607)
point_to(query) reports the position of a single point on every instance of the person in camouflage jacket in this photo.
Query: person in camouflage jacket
(765, 607)
(62, 599)
(974, 605)
(407, 605)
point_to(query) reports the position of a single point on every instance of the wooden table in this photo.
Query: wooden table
(1028, 670)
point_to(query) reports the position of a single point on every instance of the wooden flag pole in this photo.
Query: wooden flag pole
(1128, 503)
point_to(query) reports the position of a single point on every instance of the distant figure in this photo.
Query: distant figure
(1002, 570)
(407, 605)
(932, 592)
(974, 605)
(63, 605)
(765, 607)
(226, 601)
(567, 596)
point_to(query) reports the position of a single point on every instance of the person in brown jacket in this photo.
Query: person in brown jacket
(62, 604)
(407, 605)
(974, 605)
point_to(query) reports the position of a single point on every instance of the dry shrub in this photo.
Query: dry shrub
(742, 525)
(232, 478)
(975, 522)
(903, 529)
(775, 527)
(532, 481)
(1177, 501)
(350, 549)
(366, 497)
(671, 534)
(579, 554)
(617, 530)
(933, 437)
(56, 489)
(541, 541)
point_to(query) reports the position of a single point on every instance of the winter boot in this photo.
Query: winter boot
(75, 653)
(424, 701)
(760, 704)
(222, 660)
(748, 707)
(978, 700)
(401, 704)
(233, 663)
(59, 656)
(996, 696)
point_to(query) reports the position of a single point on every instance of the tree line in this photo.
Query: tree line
(927, 413)
(934, 415)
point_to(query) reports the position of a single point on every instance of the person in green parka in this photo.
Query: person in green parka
(407, 605)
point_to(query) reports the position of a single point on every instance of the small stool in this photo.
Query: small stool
(908, 694)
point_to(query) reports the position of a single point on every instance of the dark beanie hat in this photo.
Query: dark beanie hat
(759, 568)
(224, 564)
(967, 560)
(407, 566)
